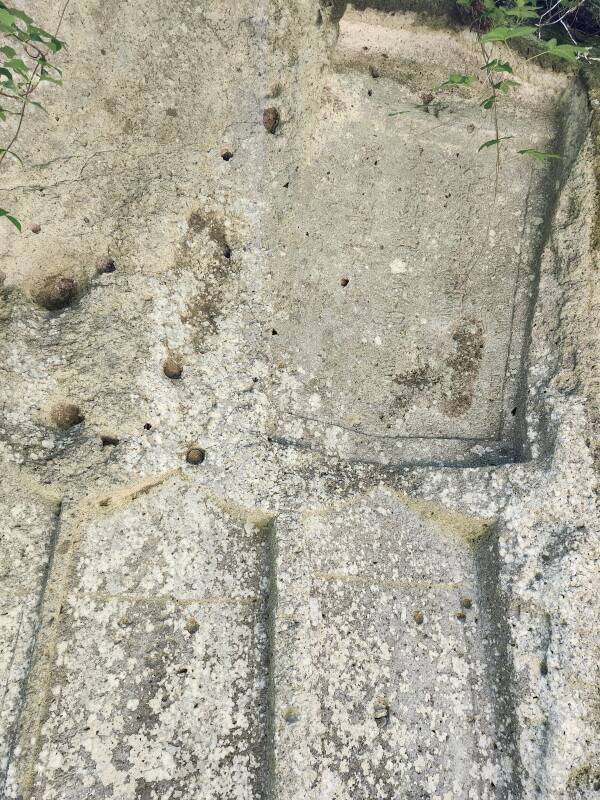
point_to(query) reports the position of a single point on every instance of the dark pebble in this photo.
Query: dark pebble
(65, 416)
(270, 119)
(106, 264)
(195, 455)
(56, 292)
(172, 368)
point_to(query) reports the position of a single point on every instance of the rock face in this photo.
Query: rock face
(325, 524)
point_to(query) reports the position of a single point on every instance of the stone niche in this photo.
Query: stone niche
(402, 335)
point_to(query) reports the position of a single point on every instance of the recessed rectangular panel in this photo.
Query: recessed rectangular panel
(403, 288)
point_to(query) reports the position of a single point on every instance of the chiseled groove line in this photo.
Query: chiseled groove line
(392, 437)
(365, 580)
(165, 599)
(513, 312)
(272, 600)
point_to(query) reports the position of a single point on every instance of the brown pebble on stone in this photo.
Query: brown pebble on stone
(65, 416)
(344, 282)
(56, 292)
(270, 119)
(466, 602)
(36, 228)
(226, 155)
(106, 264)
(461, 616)
(374, 71)
(418, 617)
(195, 455)
(192, 625)
(172, 368)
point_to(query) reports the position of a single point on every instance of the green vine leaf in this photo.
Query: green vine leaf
(488, 102)
(497, 66)
(523, 10)
(458, 80)
(10, 218)
(492, 142)
(539, 155)
(568, 52)
(502, 34)
(504, 85)
(7, 21)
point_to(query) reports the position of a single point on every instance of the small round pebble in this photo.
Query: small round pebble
(172, 368)
(195, 455)
(270, 119)
(192, 626)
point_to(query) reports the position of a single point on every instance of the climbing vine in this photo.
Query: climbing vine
(25, 53)
(497, 22)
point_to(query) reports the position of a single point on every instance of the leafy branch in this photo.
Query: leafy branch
(26, 50)
(495, 21)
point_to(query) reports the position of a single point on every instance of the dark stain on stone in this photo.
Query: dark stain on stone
(55, 292)
(210, 223)
(464, 364)
(171, 112)
(270, 119)
(411, 383)
(226, 155)
(108, 440)
(216, 273)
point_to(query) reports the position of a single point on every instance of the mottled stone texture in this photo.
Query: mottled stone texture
(299, 471)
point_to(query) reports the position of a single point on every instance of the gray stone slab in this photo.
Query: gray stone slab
(404, 299)
(385, 665)
(158, 685)
(28, 515)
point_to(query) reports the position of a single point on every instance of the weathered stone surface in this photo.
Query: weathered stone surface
(362, 344)
(386, 649)
(155, 682)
